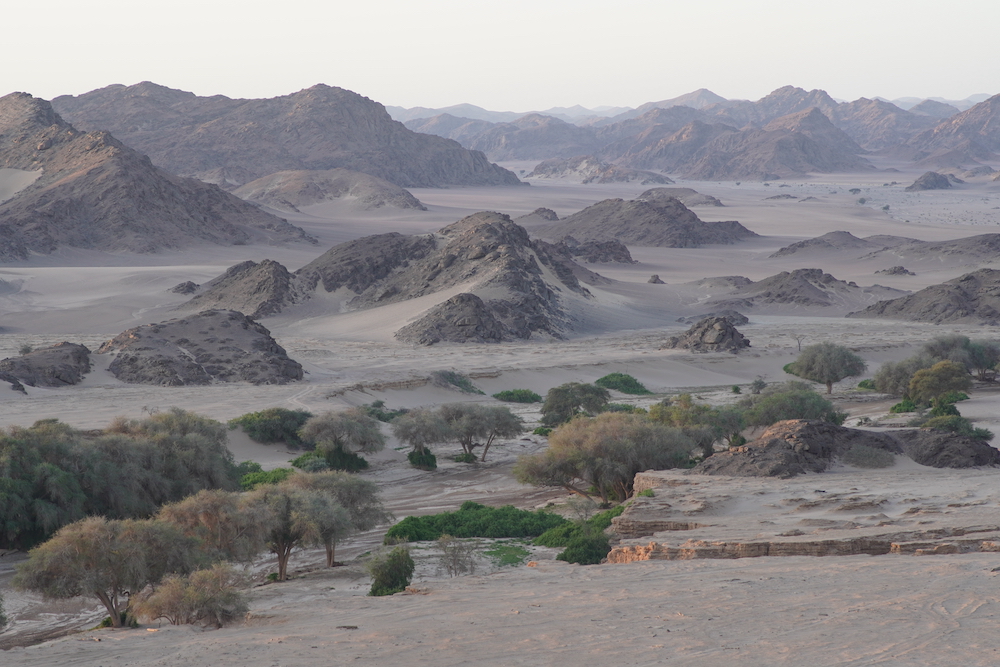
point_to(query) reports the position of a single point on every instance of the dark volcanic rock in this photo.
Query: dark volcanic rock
(95, 192)
(211, 346)
(791, 448)
(972, 298)
(895, 271)
(186, 287)
(930, 181)
(598, 252)
(256, 290)
(655, 280)
(712, 334)
(464, 318)
(946, 450)
(662, 222)
(236, 141)
(57, 366)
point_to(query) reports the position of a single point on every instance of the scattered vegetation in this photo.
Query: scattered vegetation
(793, 400)
(941, 378)
(507, 554)
(585, 541)
(905, 405)
(273, 425)
(340, 436)
(25, 349)
(456, 380)
(646, 493)
(542, 431)
(867, 385)
(474, 520)
(623, 383)
(518, 396)
(618, 407)
(376, 410)
(758, 385)
(424, 460)
(310, 462)
(466, 457)
(391, 572)
(457, 556)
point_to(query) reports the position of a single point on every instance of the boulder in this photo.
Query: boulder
(464, 318)
(655, 280)
(60, 365)
(930, 181)
(712, 334)
(939, 449)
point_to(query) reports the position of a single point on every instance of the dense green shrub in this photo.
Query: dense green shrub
(542, 431)
(959, 425)
(618, 407)
(586, 549)
(424, 459)
(390, 572)
(474, 520)
(254, 479)
(518, 396)
(273, 425)
(794, 400)
(341, 459)
(623, 383)
(863, 456)
(941, 408)
(953, 396)
(868, 385)
(311, 462)
(376, 410)
(563, 534)
(564, 402)
(466, 457)
(905, 405)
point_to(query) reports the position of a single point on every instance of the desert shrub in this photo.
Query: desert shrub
(564, 402)
(586, 549)
(958, 425)
(376, 410)
(424, 460)
(247, 467)
(905, 405)
(457, 556)
(273, 425)
(646, 493)
(758, 385)
(863, 456)
(507, 554)
(942, 408)
(466, 457)
(339, 459)
(953, 396)
(25, 349)
(211, 597)
(868, 385)
(542, 431)
(310, 462)
(793, 400)
(704, 424)
(456, 380)
(252, 480)
(563, 534)
(626, 384)
(474, 520)
(618, 407)
(518, 396)
(894, 378)
(390, 572)
(736, 389)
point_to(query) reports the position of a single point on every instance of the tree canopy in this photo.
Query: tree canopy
(564, 402)
(827, 363)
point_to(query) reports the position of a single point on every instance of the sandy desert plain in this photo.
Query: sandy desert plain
(897, 609)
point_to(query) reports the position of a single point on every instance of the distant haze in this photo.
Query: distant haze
(514, 56)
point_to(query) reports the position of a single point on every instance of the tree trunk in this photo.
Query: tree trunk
(329, 554)
(486, 448)
(283, 554)
(110, 603)
(829, 387)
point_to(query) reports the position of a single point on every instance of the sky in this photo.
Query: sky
(512, 55)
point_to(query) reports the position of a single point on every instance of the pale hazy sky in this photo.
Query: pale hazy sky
(513, 55)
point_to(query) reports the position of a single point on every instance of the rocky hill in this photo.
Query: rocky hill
(292, 189)
(205, 348)
(930, 180)
(837, 241)
(660, 221)
(972, 298)
(973, 134)
(94, 192)
(522, 288)
(686, 196)
(534, 137)
(802, 288)
(968, 250)
(233, 142)
(710, 334)
(59, 365)
(588, 169)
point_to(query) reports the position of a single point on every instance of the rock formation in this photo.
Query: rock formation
(803, 288)
(930, 180)
(588, 169)
(791, 448)
(94, 192)
(966, 137)
(56, 366)
(946, 450)
(254, 289)
(597, 252)
(895, 271)
(208, 347)
(464, 318)
(291, 190)
(662, 222)
(686, 196)
(712, 334)
(233, 142)
(186, 287)
(972, 298)
(836, 241)
(655, 280)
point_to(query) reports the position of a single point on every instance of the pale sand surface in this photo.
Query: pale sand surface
(888, 610)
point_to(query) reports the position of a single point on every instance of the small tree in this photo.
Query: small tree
(983, 357)
(793, 400)
(421, 428)
(273, 425)
(828, 363)
(564, 402)
(458, 556)
(391, 572)
(106, 558)
(940, 378)
(339, 435)
(894, 378)
(225, 527)
(212, 597)
(469, 422)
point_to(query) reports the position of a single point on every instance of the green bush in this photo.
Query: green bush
(953, 396)
(457, 380)
(618, 407)
(586, 549)
(623, 383)
(474, 520)
(940, 408)
(958, 425)
(247, 467)
(868, 385)
(273, 425)
(563, 534)
(390, 572)
(507, 554)
(646, 493)
(905, 405)
(863, 456)
(424, 460)
(252, 480)
(466, 457)
(542, 431)
(310, 462)
(341, 459)
(518, 396)
(376, 410)
(736, 389)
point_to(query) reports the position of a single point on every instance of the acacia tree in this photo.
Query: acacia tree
(942, 377)
(359, 497)
(340, 435)
(564, 402)
(828, 363)
(110, 559)
(226, 528)
(470, 422)
(420, 428)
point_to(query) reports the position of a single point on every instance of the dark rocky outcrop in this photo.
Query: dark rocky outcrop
(186, 287)
(946, 450)
(232, 142)
(211, 346)
(930, 180)
(252, 288)
(971, 298)
(662, 222)
(60, 365)
(831, 241)
(588, 169)
(655, 280)
(802, 288)
(464, 318)
(791, 448)
(712, 334)
(686, 196)
(598, 252)
(545, 214)
(291, 190)
(895, 271)
(95, 192)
